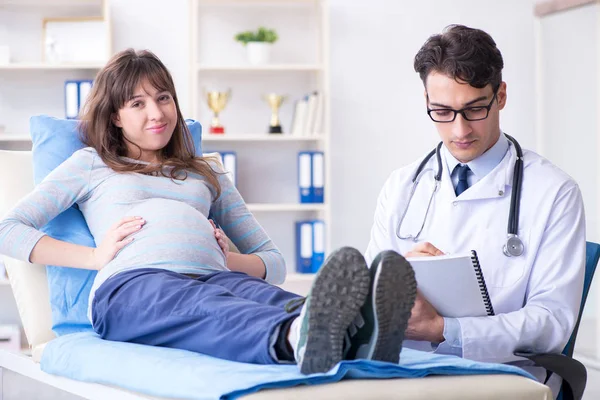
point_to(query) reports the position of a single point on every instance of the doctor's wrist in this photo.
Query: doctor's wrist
(431, 330)
(438, 329)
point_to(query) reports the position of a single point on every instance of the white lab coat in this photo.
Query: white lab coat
(535, 296)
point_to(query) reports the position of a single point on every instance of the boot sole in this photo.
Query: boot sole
(339, 291)
(394, 297)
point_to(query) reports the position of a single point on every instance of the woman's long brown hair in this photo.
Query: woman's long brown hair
(114, 85)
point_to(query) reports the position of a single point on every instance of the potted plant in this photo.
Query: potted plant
(258, 44)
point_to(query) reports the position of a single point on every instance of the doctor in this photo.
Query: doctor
(536, 282)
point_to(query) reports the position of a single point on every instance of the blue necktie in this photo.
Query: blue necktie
(462, 184)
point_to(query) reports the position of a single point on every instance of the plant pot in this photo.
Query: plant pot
(258, 52)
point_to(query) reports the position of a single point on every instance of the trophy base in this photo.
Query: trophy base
(275, 129)
(217, 130)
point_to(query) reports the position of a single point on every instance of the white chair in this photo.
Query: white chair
(30, 289)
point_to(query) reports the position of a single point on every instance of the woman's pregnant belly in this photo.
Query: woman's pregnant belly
(175, 236)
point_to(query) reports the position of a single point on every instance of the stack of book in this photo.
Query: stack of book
(308, 115)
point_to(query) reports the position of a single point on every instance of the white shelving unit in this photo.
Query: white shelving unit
(266, 207)
(45, 66)
(261, 137)
(30, 86)
(250, 3)
(15, 137)
(266, 164)
(259, 68)
(35, 86)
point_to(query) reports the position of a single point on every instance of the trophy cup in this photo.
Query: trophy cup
(274, 101)
(217, 102)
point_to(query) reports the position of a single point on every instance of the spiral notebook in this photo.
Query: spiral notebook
(453, 284)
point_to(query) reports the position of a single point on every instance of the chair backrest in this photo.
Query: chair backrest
(592, 255)
(28, 281)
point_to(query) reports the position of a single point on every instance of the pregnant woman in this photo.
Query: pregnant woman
(166, 277)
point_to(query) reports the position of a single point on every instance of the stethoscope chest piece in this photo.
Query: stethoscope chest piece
(513, 247)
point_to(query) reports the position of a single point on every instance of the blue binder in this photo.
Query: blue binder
(71, 99)
(229, 159)
(85, 87)
(318, 244)
(318, 176)
(76, 93)
(305, 176)
(304, 247)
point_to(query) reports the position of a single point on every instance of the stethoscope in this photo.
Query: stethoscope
(513, 246)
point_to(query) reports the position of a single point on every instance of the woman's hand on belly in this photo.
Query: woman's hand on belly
(117, 237)
(221, 239)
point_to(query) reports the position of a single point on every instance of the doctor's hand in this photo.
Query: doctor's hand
(221, 239)
(424, 249)
(425, 323)
(117, 237)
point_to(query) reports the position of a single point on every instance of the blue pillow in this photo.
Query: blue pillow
(55, 140)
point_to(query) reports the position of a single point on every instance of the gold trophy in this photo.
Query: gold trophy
(274, 101)
(217, 102)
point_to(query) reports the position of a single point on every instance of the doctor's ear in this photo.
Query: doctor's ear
(501, 95)
(116, 120)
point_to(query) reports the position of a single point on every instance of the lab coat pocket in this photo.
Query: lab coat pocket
(499, 270)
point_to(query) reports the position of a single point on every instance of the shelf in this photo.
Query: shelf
(261, 137)
(53, 3)
(282, 207)
(15, 137)
(268, 67)
(46, 66)
(269, 3)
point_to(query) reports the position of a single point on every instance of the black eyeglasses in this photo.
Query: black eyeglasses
(444, 115)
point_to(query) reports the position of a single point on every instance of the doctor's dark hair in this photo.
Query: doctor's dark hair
(464, 54)
(113, 87)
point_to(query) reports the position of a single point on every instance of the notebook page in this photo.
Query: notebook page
(449, 283)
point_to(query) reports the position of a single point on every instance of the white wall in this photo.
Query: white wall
(162, 27)
(570, 84)
(570, 94)
(379, 121)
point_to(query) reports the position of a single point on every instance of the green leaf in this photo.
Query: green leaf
(261, 35)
